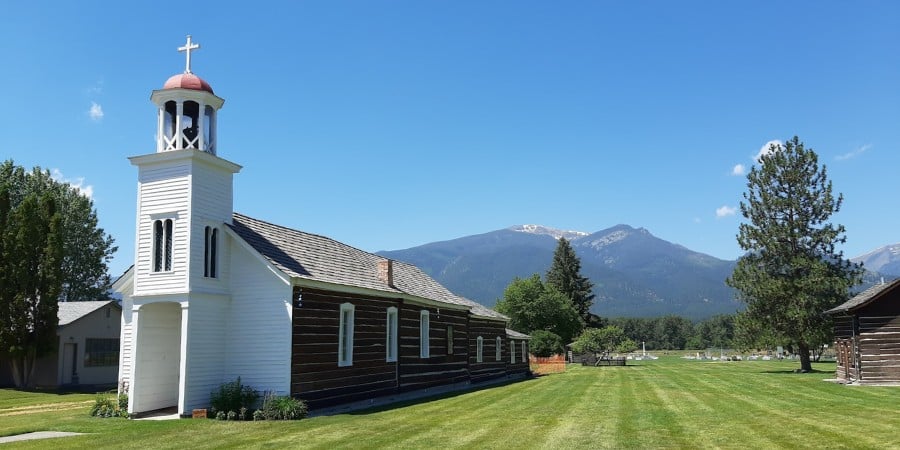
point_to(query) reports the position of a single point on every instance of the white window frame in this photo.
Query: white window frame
(345, 335)
(479, 349)
(524, 353)
(390, 339)
(512, 351)
(424, 334)
(167, 235)
(498, 348)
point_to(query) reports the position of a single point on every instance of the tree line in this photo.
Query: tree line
(791, 273)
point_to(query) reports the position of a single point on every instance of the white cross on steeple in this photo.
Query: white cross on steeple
(187, 49)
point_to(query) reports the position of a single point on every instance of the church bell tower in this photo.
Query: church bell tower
(184, 192)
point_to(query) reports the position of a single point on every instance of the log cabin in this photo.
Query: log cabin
(214, 295)
(867, 336)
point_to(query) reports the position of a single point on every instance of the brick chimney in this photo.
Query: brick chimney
(386, 271)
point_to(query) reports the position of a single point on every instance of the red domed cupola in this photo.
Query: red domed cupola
(188, 81)
(187, 110)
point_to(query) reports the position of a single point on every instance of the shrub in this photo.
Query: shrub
(232, 415)
(232, 396)
(106, 406)
(277, 407)
(221, 415)
(545, 343)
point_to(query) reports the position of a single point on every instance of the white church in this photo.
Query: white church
(214, 295)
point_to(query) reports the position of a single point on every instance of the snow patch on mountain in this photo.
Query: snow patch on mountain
(555, 233)
(606, 239)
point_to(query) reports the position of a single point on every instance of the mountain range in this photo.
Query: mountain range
(635, 274)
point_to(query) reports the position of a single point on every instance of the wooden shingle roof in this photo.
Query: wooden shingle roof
(864, 298)
(307, 256)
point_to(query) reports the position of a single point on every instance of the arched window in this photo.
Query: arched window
(524, 353)
(498, 348)
(162, 245)
(391, 335)
(479, 350)
(210, 252)
(424, 335)
(345, 335)
(512, 351)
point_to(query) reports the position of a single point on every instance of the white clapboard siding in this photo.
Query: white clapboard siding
(163, 190)
(204, 371)
(259, 328)
(126, 346)
(211, 205)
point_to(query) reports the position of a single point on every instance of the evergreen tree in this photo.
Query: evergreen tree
(565, 276)
(792, 271)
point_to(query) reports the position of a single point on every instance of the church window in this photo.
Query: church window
(524, 353)
(162, 245)
(449, 339)
(498, 348)
(210, 252)
(345, 336)
(391, 335)
(479, 349)
(424, 335)
(512, 352)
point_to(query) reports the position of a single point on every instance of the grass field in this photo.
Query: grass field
(669, 403)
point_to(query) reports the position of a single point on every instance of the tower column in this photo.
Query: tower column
(201, 145)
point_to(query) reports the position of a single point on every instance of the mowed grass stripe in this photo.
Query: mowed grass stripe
(669, 403)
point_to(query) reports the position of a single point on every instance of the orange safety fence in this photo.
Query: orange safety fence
(549, 364)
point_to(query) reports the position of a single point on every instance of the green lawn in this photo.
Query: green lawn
(665, 403)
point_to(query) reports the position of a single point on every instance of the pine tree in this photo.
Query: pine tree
(565, 276)
(792, 271)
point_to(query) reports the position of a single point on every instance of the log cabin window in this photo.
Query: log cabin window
(345, 336)
(210, 252)
(498, 348)
(391, 335)
(479, 349)
(424, 333)
(524, 353)
(101, 352)
(162, 245)
(512, 351)
(449, 339)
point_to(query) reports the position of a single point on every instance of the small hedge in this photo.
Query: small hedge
(106, 406)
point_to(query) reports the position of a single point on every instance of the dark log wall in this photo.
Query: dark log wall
(517, 367)
(440, 367)
(315, 374)
(490, 367)
(845, 348)
(878, 339)
(879, 349)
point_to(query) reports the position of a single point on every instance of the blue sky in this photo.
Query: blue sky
(391, 124)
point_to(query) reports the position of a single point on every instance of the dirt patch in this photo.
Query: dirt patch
(33, 409)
